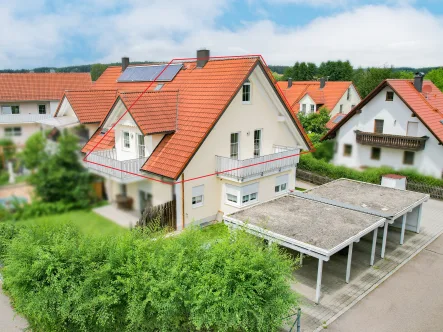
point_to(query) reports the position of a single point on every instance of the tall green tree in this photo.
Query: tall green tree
(62, 177)
(34, 153)
(367, 80)
(315, 122)
(436, 76)
(336, 70)
(97, 70)
(301, 71)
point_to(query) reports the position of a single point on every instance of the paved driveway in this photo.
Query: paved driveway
(9, 321)
(410, 300)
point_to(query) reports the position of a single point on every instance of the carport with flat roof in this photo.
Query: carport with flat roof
(401, 208)
(310, 227)
(323, 220)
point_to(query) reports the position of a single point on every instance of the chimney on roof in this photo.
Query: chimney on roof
(322, 82)
(202, 57)
(418, 81)
(289, 82)
(125, 63)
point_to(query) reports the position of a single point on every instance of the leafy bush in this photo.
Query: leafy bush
(62, 280)
(23, 211)
(372, 174)
(62, 177)
(7, 232)
(34, 153)
(315, 122)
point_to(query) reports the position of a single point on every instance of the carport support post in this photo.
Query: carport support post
(403, 227)
(374, 244)
(348, 267)
(301, 259)
(319, 275)
(385, 235)
(419, 218)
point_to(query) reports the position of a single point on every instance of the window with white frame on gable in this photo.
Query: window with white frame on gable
(303, 108)
(234, 146)
(257, 142)
(281, 184)
(141, 146)
(348, 97)
(126, 140)
(246, 92)
(312, 108)
(41, 109)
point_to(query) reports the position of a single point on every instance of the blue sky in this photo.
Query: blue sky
(368, 33)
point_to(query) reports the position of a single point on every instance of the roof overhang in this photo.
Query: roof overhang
(60, 122)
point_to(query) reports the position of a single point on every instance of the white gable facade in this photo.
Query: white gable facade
(395, 118)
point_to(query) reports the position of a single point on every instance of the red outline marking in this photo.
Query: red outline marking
(203, 176)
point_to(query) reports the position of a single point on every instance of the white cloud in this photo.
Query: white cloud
(152, 30)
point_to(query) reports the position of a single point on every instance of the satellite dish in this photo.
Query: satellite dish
(427, 88)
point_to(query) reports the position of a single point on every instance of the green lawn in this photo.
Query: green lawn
(88, 222)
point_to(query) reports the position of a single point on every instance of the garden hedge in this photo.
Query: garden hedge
(61, 280)
(372, 175)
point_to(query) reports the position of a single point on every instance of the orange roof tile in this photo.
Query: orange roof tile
(328, 96)
(428, 107)
(203, 95)
(107, 143)
(90, 106)
(154, 112)
(40, 86)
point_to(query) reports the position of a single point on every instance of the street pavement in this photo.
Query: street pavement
(9, 320)
(410, 300)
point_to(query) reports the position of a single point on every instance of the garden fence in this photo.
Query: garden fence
(434, 191)
(162, 216)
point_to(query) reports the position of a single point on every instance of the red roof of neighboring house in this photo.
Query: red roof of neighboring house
(90, 106)
(203, 95)
(328, 96)
(334, 120)
(428, 107)
(41, 86)
(155, 111)
(107, 143)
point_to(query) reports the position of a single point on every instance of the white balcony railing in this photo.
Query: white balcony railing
(110, 167)
(241, 170)
(23, 118)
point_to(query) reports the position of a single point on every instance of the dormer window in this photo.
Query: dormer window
(246, 92)
(389, 96)
(126, 141)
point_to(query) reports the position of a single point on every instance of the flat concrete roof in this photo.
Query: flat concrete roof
(314, 223)
(387, 201)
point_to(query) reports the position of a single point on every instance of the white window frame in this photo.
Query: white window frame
(44, 109)
(198, 196)
(141, 148)
(303, 108)
(281, 184)
(348, 97)
(231, 144)
(312, 108)
(260, 131)
(13, 131)
(341, 108)
(245, 195)
(126, 148)
(249, 93)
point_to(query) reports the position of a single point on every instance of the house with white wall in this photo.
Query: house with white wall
(309, 96)
(27, 98)
(193, 134)
(399, 124)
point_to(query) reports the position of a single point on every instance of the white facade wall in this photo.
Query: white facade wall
(347, 104)
(27, 129)
(261, 113)
(396, 116)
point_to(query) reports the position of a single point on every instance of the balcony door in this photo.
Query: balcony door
(141, 146)
(412, 129)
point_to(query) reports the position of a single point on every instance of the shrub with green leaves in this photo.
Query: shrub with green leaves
(61, 280)
(372, 174)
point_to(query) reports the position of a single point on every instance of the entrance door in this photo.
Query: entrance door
(412, 129)
(145, 200)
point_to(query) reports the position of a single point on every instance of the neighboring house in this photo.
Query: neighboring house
(201, 117)
(399, 124)
(81, 111)
(309, 96)
(27, 98)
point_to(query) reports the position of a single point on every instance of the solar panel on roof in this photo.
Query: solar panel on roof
(149, 73)
(338, 119)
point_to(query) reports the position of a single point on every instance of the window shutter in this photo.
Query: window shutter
(279, 180)
(198, 191)
(233, 190)
(249, 189)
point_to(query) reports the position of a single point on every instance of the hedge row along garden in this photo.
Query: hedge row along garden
(63, 280)
(372, 175)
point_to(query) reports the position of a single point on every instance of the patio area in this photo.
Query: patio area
(123, 218)
(337, 296)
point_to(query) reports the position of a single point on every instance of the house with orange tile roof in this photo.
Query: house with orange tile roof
(27, 98)
(213, 134)
(399, 124)
(309, 96)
